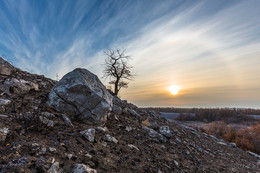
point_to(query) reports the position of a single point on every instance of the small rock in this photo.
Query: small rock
(199, 149)
(66, 120)
(254, 154)
(186, 152)
(154, 114)
(43, 150)
(135, 114)
(155, 135)
(88, 156)
(89, 134)
(4, 102)
(117, 110)
(133, 147)
(102, 129)
(124, 101)
(116, 117)
(52, 149)
(175, 162)
(81, 168)
(222, 143)
(128, 128)
(165, 130)
(55, 168)
(126, 111)
(35, 144)
(154, 125)
(5, 70)
(178, 140)
(46, 121)
(214, 138)
(3, 134)
(111, 138)
(47, 114)
(69, 156)
(234, 145)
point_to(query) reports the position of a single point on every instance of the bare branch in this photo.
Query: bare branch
(117, 68)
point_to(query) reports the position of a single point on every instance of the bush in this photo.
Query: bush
(246, 139)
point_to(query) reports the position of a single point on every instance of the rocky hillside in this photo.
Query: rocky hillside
(76, 126)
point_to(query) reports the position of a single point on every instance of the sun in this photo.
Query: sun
(174, 89)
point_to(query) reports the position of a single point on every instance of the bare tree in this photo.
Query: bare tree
(117, 69)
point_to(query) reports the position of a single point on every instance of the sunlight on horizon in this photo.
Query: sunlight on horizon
(174, 90)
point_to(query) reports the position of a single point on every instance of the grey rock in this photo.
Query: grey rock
(154, 114)
(175, 162)
(254, 154)
(69, 156)
(89, 134)
(186, 152)
(35, 144)
(88, 156)
(5, 71)
(222, 143)
(66, 120)
(128, 128)
(111, 138)
(133, 147)
(4, 102)
(132, 106)
(116, 101)
(124, 101)
(154, 125)
(214, 138)
(154, 135)
(46, 121)
(3, 133)
(82, 96)
(43, 150)
(55, 168)
(195, 133)
(19, 86)
(178, 140)
(135, 114)
(234, 145)
(102, 129)
(81, 168)
(47, 114)
(126, 111)
(117, 110)
(199, 149)
(165, 130)
(51, 149)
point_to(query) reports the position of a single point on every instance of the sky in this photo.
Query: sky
(210, 49)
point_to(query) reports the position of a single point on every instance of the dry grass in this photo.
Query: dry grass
(245, 138)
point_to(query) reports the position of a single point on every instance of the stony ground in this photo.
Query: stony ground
(33, 138)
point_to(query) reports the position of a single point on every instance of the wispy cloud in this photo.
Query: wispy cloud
(194, 44)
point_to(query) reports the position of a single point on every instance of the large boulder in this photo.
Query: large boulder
(81, 95)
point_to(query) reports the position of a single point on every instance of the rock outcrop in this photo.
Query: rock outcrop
(21, 91)
(81, 96)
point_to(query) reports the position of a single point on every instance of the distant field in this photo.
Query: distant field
(241, 126)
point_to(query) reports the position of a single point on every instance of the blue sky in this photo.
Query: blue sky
(210, 49)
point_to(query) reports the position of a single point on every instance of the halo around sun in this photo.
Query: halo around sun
(174, 90)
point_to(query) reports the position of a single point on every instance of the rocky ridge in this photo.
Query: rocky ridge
(36, 137)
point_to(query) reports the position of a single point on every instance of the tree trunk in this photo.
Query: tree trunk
(116, 87)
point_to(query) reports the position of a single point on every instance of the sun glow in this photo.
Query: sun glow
(174, 89)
